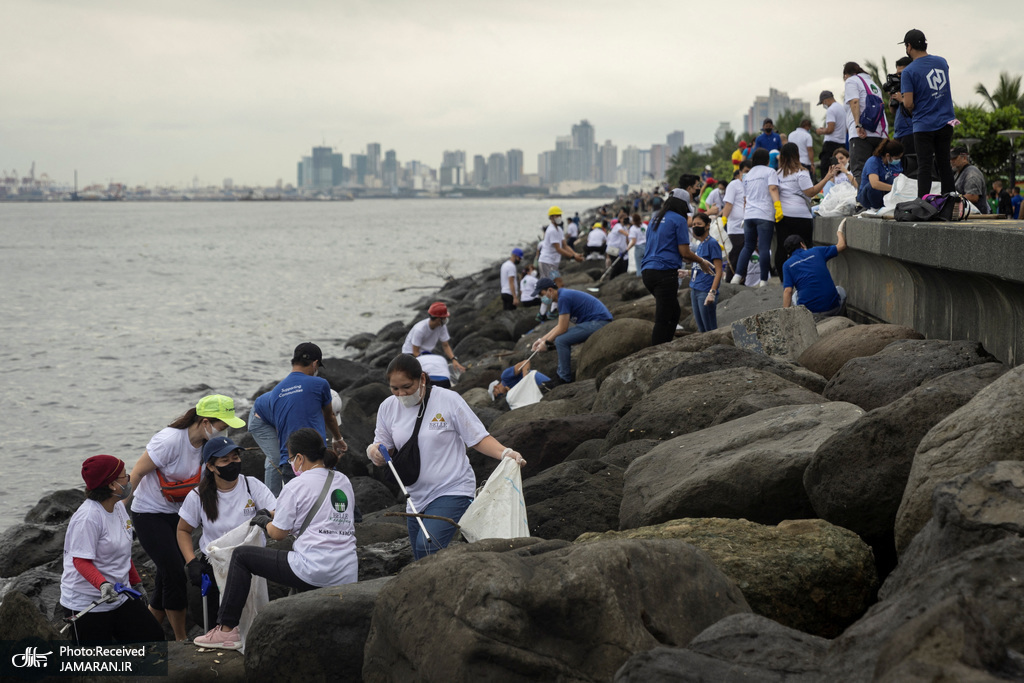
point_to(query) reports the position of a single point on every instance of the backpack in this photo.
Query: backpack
(873, 111)
(949, 206)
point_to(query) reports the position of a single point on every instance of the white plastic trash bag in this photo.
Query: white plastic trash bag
(219, 553)
(841, 200)
(721, 236)
(904, 189)
(525, 393)
(499, 510)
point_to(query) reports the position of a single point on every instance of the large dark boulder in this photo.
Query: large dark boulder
(384, 559)
(827, 355)
(614, 341)
(741, 648)
(371, 495)
(588, 450)
(30, 545)
(874, 381)
(477, 345)
(623, 383)
(41, 585)
(20, 619)
(545, 442)
(572, 498)
(806, 574)
(343, 374)
(988, 428)
(780, 332)
(751, 468)
(548, 611)
(689, 404)
(624, 454)
(56, 507)
(332, 625)
(721, 357)
(856, 478)
(359, 415)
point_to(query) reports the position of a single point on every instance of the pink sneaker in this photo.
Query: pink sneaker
(220, 640)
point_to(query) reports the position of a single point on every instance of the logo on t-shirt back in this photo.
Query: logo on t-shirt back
(936, 79)
(438, 423)
(338, 515)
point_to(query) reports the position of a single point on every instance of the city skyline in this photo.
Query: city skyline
(160, 95)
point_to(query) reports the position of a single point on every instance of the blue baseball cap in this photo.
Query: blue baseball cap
(542, 284)
(517, 252)
(218, 447)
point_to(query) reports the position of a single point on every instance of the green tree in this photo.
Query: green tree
(1007, 93)
(992, 153)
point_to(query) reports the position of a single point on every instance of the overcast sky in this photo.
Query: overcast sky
(156, 93)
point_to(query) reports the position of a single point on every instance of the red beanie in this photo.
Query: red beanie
(100, 470)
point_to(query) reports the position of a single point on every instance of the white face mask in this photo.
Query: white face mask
(411, 400)
(211, 434)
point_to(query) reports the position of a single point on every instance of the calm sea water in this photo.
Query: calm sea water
(116, 317)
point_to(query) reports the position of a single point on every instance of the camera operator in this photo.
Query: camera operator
(904, 126)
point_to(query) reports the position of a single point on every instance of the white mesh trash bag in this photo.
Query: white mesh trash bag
(219, 553)
(499, 510)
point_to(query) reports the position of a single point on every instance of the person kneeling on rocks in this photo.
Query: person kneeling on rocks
(588, 314)
(806, 272)
(445, 483)
(318, 509)
(511, 377)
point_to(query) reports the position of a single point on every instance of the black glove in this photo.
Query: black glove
(263, 511)
(195, 572)
(261, 521)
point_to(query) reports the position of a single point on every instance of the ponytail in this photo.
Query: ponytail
(208, 495)
(308, 442)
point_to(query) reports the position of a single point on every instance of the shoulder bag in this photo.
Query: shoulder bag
(407, 460)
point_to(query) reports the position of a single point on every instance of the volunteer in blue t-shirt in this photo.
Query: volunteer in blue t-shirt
(768, 139)
(903, 124)
(879, 173)
(806, 272)
(511, 376)
(927, 96)
(668, 244)
(299, 400)
(704, 287)
(588, 314)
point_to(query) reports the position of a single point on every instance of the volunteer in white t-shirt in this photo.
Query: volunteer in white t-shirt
(224, 500)
(427, 334)
(526, 286)
(795, 192)
(858, 84)
(553, 247)
(618, 238)
(508, 280)
(597, 241)
(834, 130)
(572, 231)
(97, 555)
(324, 551)
(761, 211)
(446, 484)
(732, 214)
(801, 137)
(637, 241)
(163, 476)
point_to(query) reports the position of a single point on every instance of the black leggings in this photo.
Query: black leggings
(664, 285)
(802, 227)
(734, 253)
(132, 622)
(157, 532)
(245, 562)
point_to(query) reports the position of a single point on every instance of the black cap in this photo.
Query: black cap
(768, 121)
(307, 352)
(957, 151)
(825, 95)
(792, 243)
(914, 37)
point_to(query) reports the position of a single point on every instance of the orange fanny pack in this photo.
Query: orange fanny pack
(175, 491)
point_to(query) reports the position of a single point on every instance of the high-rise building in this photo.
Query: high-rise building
(300, 172)
(358, 163)
(583, 140)
(771, 107)
(645, 163)
(453, 167)
(659, 161)
(497, 170)
(373, 159)
(479, 170)
(676, 141)
(338, 170)
(306, 172)
(609, 162)
(389, 169)
(323, 171)
(568, 162)
(515, 166)
(545, 166)
(724, 128)
(631, 162)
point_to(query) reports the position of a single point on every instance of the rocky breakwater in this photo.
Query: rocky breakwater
(775, 500)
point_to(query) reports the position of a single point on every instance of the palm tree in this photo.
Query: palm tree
(1007, 93)
(877, 75)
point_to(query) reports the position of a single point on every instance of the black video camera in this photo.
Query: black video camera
(892, 83)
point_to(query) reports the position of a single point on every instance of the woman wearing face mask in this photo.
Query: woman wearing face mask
(224, 499)
(879, 173)
(704, 287)
(98, 554)
(762, 209)
(163, 476)
(316, 507)
(446, 483)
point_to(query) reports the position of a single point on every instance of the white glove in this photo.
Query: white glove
(509, 453)
(374, 454)
(539, 345)
(107, 592)
(710, 299)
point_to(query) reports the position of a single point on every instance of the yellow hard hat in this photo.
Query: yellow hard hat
(554, 211)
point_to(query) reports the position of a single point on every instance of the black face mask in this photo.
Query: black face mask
(230, 471)
(699, 230)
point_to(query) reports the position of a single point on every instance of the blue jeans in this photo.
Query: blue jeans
(706, 316)
(266, 438)
(756, 232)
(638, 255)
(565, 341)
(441, 532)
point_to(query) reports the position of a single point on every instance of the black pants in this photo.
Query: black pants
(802, 227)
(664, 285)
(619, 266)
(531, 302)
(507, 302)
(246, 561)
(734, 253)
(828, 150)
(595, 250)
(157, 532)
(934, 145)
(909, 155)
(131, 622)
(861, 150)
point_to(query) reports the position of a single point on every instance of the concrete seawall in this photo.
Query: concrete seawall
(946, 280)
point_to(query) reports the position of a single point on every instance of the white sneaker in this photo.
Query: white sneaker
(762, 283)
(736, 280)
